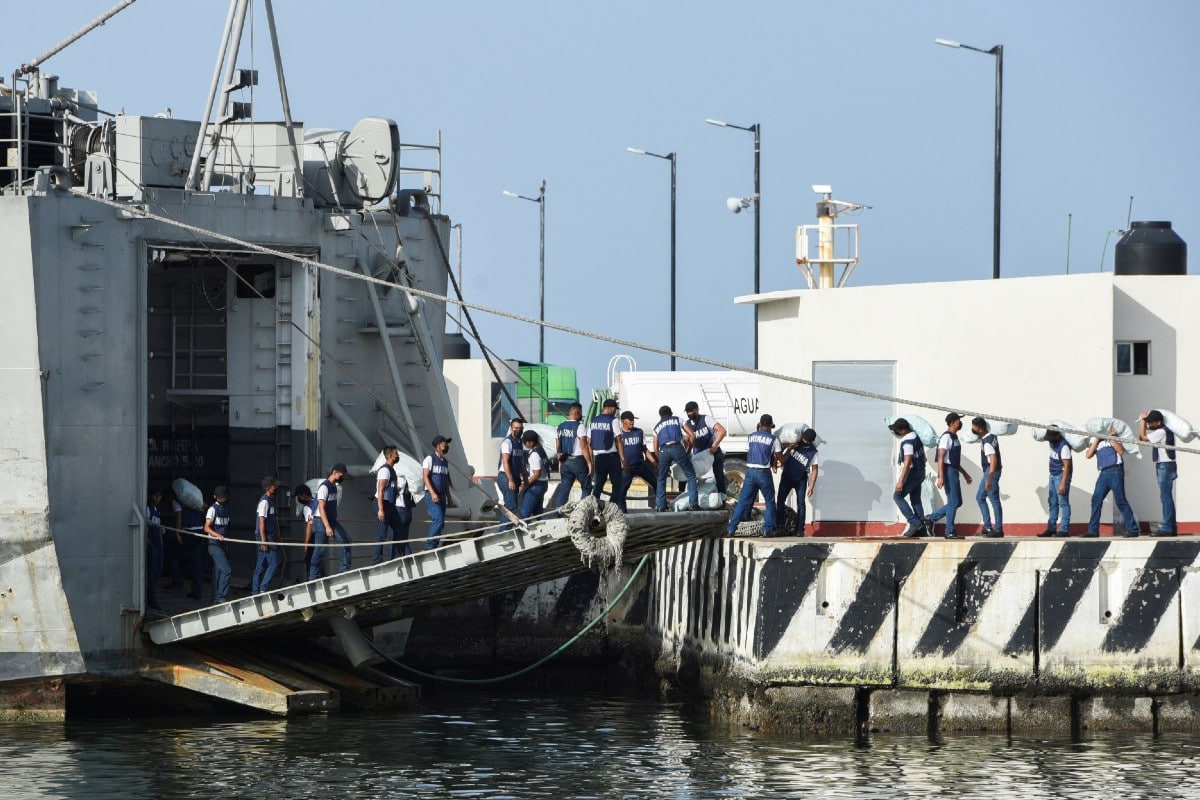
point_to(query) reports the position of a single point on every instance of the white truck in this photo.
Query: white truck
(729, 397)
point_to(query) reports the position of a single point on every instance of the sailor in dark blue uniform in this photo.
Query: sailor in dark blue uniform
(154, 548)
(510, 470)
(633, 441)
(673, 443)
(607, 459)
(1058, 491)
(216, 525)
(191, 520)
(435, 470)
(989, 482)
(1152, 428)
(1109, 454)
(573, 448)
(907, 494)
(949, 461)
(537, 464)
(800, 469)
(327, 510)
(762, 451)
(707, 434)
(266, 566)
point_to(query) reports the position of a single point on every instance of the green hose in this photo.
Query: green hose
(524, 670)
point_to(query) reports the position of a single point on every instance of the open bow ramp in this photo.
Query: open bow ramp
(458, 571)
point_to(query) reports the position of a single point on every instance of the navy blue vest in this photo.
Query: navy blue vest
(1171, 442)
(983, 459)
(439, 474)
(602, 432)
(795, 466)
(759, 450)
(1056, 450)
(704, 434)
(545, 476)
(516, 460)
(330, 502)
(220, 520)
(954, 454)
(568, 435)
(1106, 457)
(668, 431)
(272, 525)
(633, 441)
(193, 520)
(918, 456)
(389, 488)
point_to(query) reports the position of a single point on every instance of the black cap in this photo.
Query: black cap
(766, 421)
(220, 492)
(901, 424)
(628, 415)
(610, 403)
(270, 481)
(340, 467)
(953, 416)
(439, 439)
(809, 436)
(531, 436)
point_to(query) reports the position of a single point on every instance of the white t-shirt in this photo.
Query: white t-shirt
(309, 510)
(536, 463)
(1158, 437)
(384, 475)
(909, 445)
(323, 493)
(946, 443)
(401, 488)
(264, 507)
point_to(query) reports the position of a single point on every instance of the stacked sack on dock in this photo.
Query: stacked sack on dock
(706, 484)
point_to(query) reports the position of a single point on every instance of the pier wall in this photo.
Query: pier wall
(853, 631)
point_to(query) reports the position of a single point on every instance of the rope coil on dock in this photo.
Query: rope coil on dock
(598, 531)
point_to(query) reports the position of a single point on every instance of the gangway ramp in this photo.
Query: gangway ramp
(495, 562)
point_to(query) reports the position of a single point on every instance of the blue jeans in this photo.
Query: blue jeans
(1111, 479)
(531, 501)
(343, 538)
(949, 511)
(758, 481)
(608, 468)
(1167, 472)
(194, 545)
(573, 470)
(509, 493)
(394, 529)
(673, 453)
(316, 555)
(983, 494)
(908, 499)
(787, 486)
(437, 521)
(265, 567)
(641, 469)
(221, 571)
(1060, 505)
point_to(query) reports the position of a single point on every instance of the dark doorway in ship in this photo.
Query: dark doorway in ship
(218, 352)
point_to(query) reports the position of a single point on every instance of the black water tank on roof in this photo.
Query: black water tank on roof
(457, 346)
(1151, 248)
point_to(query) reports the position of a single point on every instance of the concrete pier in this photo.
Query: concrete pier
(1014, 635)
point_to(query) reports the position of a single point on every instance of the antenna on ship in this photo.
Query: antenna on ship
(826, 231)
(233, 80)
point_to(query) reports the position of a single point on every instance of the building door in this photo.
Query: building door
(857, 474)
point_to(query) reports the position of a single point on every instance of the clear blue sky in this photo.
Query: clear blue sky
(1100, 103)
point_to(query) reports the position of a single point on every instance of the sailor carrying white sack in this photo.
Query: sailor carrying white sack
(1152, 428)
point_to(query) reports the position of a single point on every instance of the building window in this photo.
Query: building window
(1133, 358)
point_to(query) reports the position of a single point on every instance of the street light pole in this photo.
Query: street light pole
(541, 201)
(755, 129)
(672, 158)
(998, 52)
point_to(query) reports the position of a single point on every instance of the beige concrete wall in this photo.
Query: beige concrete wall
(1031, 348)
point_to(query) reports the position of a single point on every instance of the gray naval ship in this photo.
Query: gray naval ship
(218, 300)
(221, 300)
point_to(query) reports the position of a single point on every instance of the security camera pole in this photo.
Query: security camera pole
(755, 129)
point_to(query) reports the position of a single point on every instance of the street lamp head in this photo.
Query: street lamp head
(637, 150)
(717, 122)
(947, 43)
(507, 193)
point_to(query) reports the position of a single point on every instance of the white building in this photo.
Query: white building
(1068, 347)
